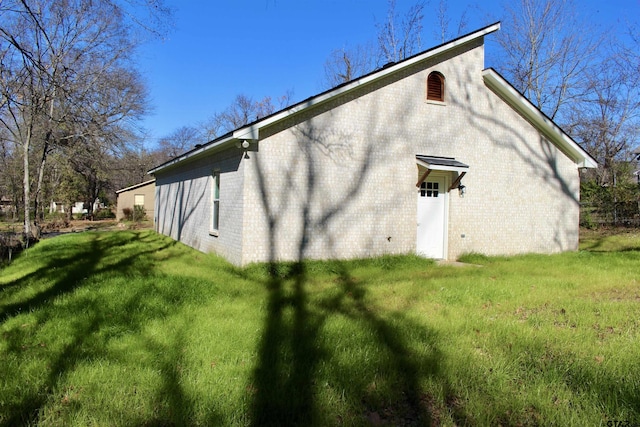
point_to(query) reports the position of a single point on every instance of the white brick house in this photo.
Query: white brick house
(434, 155)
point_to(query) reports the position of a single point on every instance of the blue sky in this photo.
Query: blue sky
(221, 48)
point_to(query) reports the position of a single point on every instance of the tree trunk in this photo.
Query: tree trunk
(26, 186)
(43, 160)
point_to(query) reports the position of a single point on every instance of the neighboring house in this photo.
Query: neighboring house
(143, 194)
(76, 208)
(432, 155)
(7, 206)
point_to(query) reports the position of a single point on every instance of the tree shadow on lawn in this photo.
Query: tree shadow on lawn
(85, 324)
(297, 346)
(76, 266)
(384, 389)
(602, 246)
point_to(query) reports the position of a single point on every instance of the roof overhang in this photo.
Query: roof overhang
(522, 105)
(133, 187)
(251, 132)
(441, 163)
(198, 151)
(447, 164)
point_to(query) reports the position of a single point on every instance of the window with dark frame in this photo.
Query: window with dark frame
(429, 189)
(435, 87)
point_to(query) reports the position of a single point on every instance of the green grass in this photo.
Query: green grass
(131, 328)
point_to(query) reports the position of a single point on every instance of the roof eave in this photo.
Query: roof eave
(133, 187)
(217, 143)
(448, 168)
(521, 104)
(252, 131)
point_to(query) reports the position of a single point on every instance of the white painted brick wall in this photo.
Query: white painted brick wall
(340, 181)
(184, 204)
(521, 191)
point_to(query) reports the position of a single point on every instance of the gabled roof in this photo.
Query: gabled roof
(133, 187)
(537, 118)
(251, 130)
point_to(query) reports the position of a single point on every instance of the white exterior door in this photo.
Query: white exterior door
(430, 241)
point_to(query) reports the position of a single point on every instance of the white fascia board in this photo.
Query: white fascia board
(441, 167)
(248, 133)
(251, 131)
(521, 104)
(133, 187)
(193, 153)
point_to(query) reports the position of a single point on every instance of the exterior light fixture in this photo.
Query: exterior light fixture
(244, 144)
(461, 190)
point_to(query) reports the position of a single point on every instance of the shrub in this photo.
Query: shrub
(127, 213)
(104, 214)
(139, 214)
(55, 216)
(55, 224)
(136, 214)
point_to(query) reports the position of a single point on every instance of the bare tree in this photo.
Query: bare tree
(400, 37)
(59, 62)
(443, 29)
(103, 131)
(179, 141)
(131, 164)
(10, 179)
(545, 52)
(344, 64)
(242, 111)
(607, 122)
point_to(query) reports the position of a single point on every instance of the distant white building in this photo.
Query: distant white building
(76, 208)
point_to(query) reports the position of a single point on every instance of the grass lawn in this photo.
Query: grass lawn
(130, 328)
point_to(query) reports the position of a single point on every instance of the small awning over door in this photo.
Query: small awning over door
(441, 164)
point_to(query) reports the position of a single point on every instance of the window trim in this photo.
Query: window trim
(214, 220)
(134, 200)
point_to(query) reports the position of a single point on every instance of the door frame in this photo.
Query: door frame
(446, 178)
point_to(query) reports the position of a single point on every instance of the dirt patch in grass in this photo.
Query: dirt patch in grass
(629, 294)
